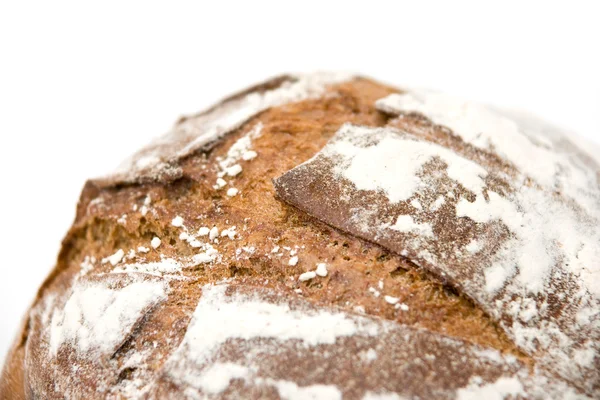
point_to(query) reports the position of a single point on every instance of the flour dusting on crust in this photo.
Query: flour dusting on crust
(219, 318)
(444, 184)
(517, 231)
(537, 149)
(239, 338)
(97, 318)
(159, 160)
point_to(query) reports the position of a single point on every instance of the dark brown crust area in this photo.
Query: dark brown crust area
(291, 134)
(12, 379)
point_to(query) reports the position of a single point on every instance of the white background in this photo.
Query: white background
(82, 85)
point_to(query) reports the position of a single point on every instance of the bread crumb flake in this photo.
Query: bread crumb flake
(321, 269)
(249, 155)
(177, 222)
(307, 276)
(234, 170)
(220, 183)
(115, 258)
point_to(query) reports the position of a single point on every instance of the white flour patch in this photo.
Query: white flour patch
(219, 318)
(382, 396)
(378, 168)
(216, 378)
(98, 318)
(499, 390)
(167, 266)
(406, 224)
(291, 391)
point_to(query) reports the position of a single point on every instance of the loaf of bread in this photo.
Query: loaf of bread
(325, 236)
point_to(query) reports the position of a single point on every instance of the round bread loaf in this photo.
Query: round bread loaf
(326, 236)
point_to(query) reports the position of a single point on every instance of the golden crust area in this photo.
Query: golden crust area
(268, 235)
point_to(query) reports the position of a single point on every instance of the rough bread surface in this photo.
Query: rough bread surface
(325, 236)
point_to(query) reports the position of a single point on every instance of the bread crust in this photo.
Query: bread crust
(124, 213)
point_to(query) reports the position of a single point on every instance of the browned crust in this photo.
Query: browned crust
(291, 135)
(12, 386)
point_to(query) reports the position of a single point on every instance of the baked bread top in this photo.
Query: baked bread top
(326, 235)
